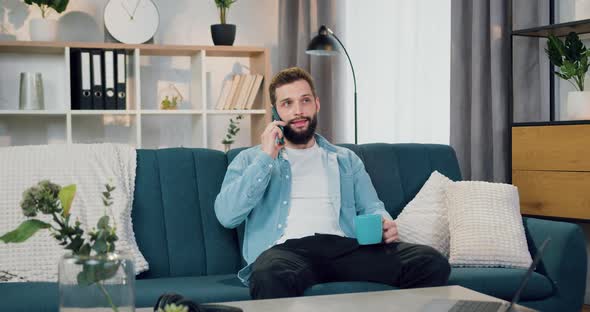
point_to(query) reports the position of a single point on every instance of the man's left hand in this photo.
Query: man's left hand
(389, 230)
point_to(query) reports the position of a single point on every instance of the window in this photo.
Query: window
(401, 53)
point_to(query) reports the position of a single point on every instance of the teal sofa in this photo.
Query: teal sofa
(190, 253)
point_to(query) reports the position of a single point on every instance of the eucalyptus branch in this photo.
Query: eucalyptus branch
(107, 296)
(51, 199)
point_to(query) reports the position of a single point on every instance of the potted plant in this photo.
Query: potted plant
(223, 33)
(571, 57)
(232, 132)
(44, 29)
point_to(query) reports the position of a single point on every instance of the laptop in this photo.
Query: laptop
(438, 305)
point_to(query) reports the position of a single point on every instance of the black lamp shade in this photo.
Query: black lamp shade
(322, 44)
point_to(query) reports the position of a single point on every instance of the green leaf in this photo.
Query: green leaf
(555, 50)
(24, 231)
(568, 69)
(59, 5)
(110, 188)
(103, 223)
(574, 48)
(84, 250)
(560, 75)
(87, 276)
(75, 244)
(106, 270)
(66, 197)
(100, 244)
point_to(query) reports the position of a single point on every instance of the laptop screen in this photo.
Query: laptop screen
(530, 271)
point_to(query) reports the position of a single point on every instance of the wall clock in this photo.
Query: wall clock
(131, 21)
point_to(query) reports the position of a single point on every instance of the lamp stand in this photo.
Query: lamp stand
(354, 81)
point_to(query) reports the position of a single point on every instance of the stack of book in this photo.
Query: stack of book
(239, 92)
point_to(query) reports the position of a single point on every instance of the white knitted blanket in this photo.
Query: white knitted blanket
(89, 166)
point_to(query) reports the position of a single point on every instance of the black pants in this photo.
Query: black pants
(287, 269)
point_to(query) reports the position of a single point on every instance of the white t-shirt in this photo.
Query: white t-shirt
(311, 210)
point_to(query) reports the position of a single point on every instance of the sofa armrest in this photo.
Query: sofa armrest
(564, 260)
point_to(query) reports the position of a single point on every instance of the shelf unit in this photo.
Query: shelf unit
(197, 70)
(548, 159)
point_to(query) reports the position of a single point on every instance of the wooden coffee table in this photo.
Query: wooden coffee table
(406, 300)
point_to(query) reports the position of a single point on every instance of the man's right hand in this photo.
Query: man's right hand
(269, 138)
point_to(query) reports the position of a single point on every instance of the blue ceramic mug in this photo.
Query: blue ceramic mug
(368, 229)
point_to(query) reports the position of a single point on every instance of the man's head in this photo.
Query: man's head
(293, 93)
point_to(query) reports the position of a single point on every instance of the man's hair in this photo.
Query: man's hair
(287, 76)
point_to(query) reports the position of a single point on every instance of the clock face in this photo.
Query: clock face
(131, 21)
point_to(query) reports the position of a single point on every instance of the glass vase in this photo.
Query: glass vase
(97, 283)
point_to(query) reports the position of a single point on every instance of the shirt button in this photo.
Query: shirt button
(286, 176)
(280, 226)
(259, 180)
(270, 166)
(285, 202)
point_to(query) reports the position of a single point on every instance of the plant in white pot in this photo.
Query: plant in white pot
(44, 29)
(571, 57)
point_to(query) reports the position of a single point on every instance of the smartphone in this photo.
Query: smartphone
(276, 117)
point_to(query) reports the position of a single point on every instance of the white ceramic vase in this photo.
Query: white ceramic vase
(42, 29)
(578, 105)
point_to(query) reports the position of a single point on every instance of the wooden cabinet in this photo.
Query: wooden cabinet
(551, 168)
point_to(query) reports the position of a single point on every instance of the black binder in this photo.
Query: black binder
(80, 79)
(110, 99)
(97, 79)
(121, 83)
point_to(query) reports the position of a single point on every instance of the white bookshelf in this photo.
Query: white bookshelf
(196, 123)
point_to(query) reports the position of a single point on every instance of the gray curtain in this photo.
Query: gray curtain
(480, 90)
(530, 64)
(299, 21)
(480, 68)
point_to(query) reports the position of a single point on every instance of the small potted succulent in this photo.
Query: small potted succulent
(223, 33)
(44, 29)
(571, 58)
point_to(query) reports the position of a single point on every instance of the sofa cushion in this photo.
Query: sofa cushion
(424, 220)
(502, 282)
(173, 216)
(26, 297)
(486, 225)
(202, 289)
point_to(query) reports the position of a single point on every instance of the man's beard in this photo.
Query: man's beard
(301, 137)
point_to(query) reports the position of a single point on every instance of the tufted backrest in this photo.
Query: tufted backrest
(398, 171)
(173, 216)
(175, 189)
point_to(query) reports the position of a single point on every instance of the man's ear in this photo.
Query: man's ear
(317, 104)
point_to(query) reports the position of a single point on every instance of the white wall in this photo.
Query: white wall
(181, 22)
(401, 53)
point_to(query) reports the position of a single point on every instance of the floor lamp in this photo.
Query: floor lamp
(323, 44)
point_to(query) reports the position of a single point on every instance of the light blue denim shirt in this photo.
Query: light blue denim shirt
(257, 189)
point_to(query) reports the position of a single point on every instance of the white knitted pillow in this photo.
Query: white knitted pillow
(486, 226)
(424, 219)
(88, 166)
